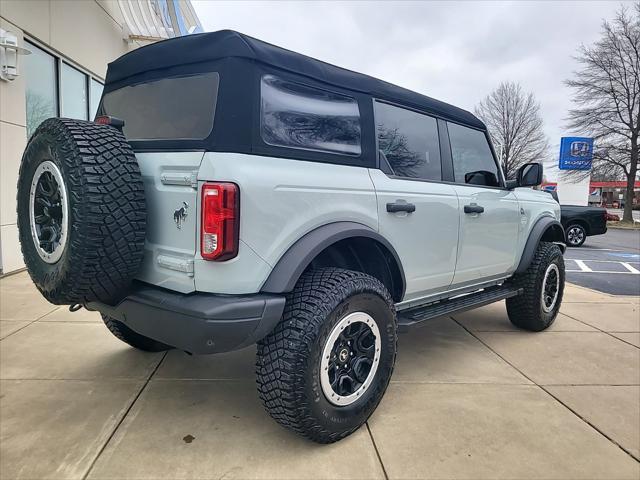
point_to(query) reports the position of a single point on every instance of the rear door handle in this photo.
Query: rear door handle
(473, 208)
(401, 207)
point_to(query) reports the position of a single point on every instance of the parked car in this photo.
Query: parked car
(580, 222)
(233, 192)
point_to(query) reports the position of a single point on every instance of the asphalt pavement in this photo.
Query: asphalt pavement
(609, 263)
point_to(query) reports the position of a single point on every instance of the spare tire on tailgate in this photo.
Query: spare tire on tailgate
(81, 211)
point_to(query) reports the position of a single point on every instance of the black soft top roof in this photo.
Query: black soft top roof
(205, 47)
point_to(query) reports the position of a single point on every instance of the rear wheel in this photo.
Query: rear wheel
(543, 286)
(325, 367)
(128, 336)
(575, 235)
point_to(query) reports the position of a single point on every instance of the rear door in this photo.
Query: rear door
(489, 213)
(161, 117)
(417, 213)
(170, 187)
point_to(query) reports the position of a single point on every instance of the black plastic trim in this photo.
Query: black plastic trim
(445, 152)
(197, 322)
(538, 230)
(287, 271)
(410, 318)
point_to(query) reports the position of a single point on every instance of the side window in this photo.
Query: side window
(409, 142)
(473, 162)
(299, 116)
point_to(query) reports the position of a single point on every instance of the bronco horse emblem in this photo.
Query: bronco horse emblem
(180, 215)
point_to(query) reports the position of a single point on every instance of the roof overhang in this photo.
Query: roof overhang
(154, 20)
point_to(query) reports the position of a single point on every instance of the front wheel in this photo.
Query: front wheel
(325, 367)
(543, 286)
(575, 235)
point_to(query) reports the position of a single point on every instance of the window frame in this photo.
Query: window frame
(379, 166)
(58, 61)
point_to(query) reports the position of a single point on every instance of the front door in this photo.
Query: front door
(418, 213)
(489, 213)
(488, 239)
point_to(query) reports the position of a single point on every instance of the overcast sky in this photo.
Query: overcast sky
(453, 51)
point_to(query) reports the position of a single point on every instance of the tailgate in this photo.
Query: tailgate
(171, 194)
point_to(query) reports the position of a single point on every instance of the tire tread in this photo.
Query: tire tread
(107, 213)
(283, 356)
(524, 310)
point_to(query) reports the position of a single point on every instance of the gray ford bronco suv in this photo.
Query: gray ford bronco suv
(232, 192)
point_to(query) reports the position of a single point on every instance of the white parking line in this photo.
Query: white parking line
(583, 267)
(602, 261)
(602, 271)
(596, 249)
(630, 268)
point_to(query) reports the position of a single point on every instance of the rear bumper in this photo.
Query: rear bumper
(197, 322)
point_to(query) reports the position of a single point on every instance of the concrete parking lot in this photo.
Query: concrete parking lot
(471, 397)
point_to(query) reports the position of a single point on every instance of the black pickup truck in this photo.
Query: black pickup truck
(580, 222)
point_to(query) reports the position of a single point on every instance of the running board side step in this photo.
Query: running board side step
(410, 318)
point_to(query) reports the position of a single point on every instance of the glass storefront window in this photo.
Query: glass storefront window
(95, 92)
(41, 92)
(74, 93)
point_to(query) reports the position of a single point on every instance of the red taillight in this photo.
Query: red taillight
(108, 120)
(220, 221)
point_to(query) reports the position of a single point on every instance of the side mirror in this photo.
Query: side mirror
(530, 175)
(481, 177)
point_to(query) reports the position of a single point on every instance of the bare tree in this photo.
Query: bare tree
(515, 126)
(395, 147)
(38, 110)
(607, 98)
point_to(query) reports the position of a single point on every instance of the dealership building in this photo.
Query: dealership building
(54, 56)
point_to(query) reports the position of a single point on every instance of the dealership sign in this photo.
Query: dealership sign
(576, 153)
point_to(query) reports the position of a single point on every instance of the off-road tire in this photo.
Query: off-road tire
(106, 211)
(288, 359)
(582, 239)
(526, 310)
(124, 333)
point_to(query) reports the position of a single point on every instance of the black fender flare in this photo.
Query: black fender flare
(547, 227)
(287, 271)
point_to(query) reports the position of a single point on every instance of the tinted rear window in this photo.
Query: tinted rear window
(178, 108)
(308, 118)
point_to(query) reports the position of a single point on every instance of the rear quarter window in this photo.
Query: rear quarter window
(177, 108)
(299, 116)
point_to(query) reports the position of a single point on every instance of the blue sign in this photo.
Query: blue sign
(576, 153)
